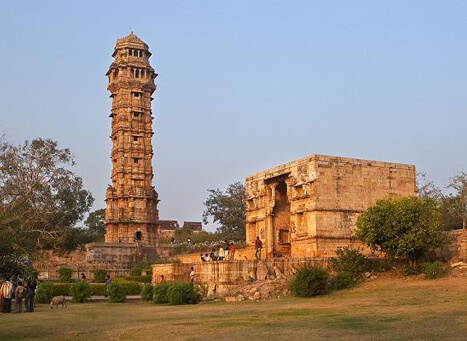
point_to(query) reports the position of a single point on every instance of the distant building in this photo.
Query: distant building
(195, 226)
(167, 227)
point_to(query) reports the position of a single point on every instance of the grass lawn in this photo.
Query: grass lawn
(397, 309)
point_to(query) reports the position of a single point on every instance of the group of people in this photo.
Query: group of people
(19, 290)
(227, 253)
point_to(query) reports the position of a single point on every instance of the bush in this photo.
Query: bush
(378, 265)
(64, 274)
(139, 279)
(80, 291)
(116, 293)
(343, 280)
(160, 293)
(98, 289)
(434, 270)
(130, 287)
(47, 289)
(351, 261)
(146, 293)
(405, 228)
(61, 289)
(309, 281)
(182, 293)
(44, 292)
(136, 270)
(99, 275)
(410, 270)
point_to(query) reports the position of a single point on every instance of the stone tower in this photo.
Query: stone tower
(131, 201)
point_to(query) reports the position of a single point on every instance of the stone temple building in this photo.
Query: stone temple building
(131, 201)
(309, 207)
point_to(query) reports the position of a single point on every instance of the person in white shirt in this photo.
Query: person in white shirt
(221, 253)
(192, 274)
(7, 291)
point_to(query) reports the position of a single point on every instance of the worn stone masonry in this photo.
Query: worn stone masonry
(309, 207)
(228, 275)
(131, 215)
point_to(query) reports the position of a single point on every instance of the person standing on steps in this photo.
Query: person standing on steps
(192, 274)
(232, 251)
(258, 247)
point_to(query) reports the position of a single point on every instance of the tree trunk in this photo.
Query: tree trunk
(464, 223)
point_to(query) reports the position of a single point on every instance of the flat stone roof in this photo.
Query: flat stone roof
(330, 158)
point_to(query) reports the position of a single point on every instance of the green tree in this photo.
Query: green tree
(227, 209)
(95, 224)
(405, 227)
(40, 197)
(448, 206)
(459, 184)
(427, 188)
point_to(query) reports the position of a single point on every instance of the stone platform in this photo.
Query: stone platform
(229, 274)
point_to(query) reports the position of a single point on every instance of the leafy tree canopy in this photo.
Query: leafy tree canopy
(406, 227)
(459, 184)
(95, 223)
(40, 197)
(228, 210)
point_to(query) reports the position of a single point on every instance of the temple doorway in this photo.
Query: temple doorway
(138, 235)
(281, 221)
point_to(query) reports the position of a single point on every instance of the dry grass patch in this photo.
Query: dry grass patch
(396, 309)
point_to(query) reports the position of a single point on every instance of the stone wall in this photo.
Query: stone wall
(77, 261)
(457, 249)
(229, 274)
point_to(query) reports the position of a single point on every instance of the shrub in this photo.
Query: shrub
(378, 265)
(116, 293)
(410, 270)
(160, 293)
(136, 270)
(64, 274)
(351, 261)
(98, 289)
(44, 292)
(130, 287)
(406, 228)
(61, 289)
(80, 291)
(343, 280)
(139, 279)
(182, 293)
(309, 281)
(99, 275)
(434, 270)
(146, 293)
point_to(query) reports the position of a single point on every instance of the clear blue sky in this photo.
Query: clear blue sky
(243, 85)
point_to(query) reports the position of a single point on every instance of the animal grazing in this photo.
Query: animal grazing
(57, 300)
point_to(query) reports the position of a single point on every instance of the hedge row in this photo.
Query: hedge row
(175, 293)
(139, 279)
(97, 289)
